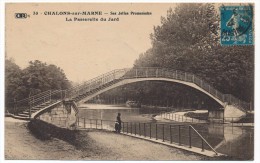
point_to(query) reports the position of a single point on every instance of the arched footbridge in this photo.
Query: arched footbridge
(34, 106)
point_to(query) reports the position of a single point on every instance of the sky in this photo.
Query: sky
(86, 49)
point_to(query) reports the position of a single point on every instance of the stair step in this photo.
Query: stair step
(44, 105)
(35, 109)
(48, 102)
(27, 112)
(38, 107)
(23, 115)
(21, 118)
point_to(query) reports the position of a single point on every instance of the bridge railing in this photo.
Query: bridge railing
(17, 107)
(179, 134)
(182, 118)
(120, 74)
(233, 121)
(154, 72)
(25, 104)
(95, 83)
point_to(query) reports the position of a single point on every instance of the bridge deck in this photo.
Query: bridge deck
(115, 78)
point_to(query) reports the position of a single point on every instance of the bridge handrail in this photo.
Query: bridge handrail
(31, 97)
(203, 139)
(180, 75)
(51, 93)
(140, 73)
(34, 101)
(93, 81)
(96, 78)
(89, 81)
(40, 94)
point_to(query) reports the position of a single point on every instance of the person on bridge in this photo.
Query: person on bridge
(118, 123)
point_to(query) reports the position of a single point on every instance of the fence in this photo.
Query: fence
(180, 134)
(182, 118)
(234, 121)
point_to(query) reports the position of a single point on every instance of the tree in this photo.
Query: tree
(185, 41)
(35, 78)
(39, 76)
(14, 88)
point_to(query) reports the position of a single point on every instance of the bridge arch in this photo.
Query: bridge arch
(119, 77)
(134, 80)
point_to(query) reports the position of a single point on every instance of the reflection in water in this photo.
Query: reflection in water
(233, 141)
(109, 112)
(237, 141)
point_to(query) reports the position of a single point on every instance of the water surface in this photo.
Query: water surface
(237, 142)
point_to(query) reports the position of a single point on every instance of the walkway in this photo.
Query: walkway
(81, 93)
(94, 145)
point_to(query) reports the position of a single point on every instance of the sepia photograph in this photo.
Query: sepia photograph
(129, 81)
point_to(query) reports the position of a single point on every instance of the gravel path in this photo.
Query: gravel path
(91, 145)
(121, 147)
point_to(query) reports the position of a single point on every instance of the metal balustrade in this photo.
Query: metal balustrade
(80, 91)
(179, 134)
(232, 121)
(30, 104)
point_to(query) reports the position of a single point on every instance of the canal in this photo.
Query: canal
(237, 142)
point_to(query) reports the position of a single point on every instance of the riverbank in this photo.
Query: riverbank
(180, 116)
(91, 145)
(201, 116)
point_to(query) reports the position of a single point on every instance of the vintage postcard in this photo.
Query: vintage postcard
(129, 81)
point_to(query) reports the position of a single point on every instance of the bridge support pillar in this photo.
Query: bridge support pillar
(232, 113)
(63, 115)
(216, 115)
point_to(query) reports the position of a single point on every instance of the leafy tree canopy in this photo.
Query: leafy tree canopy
(35, 78)
(185, 41)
